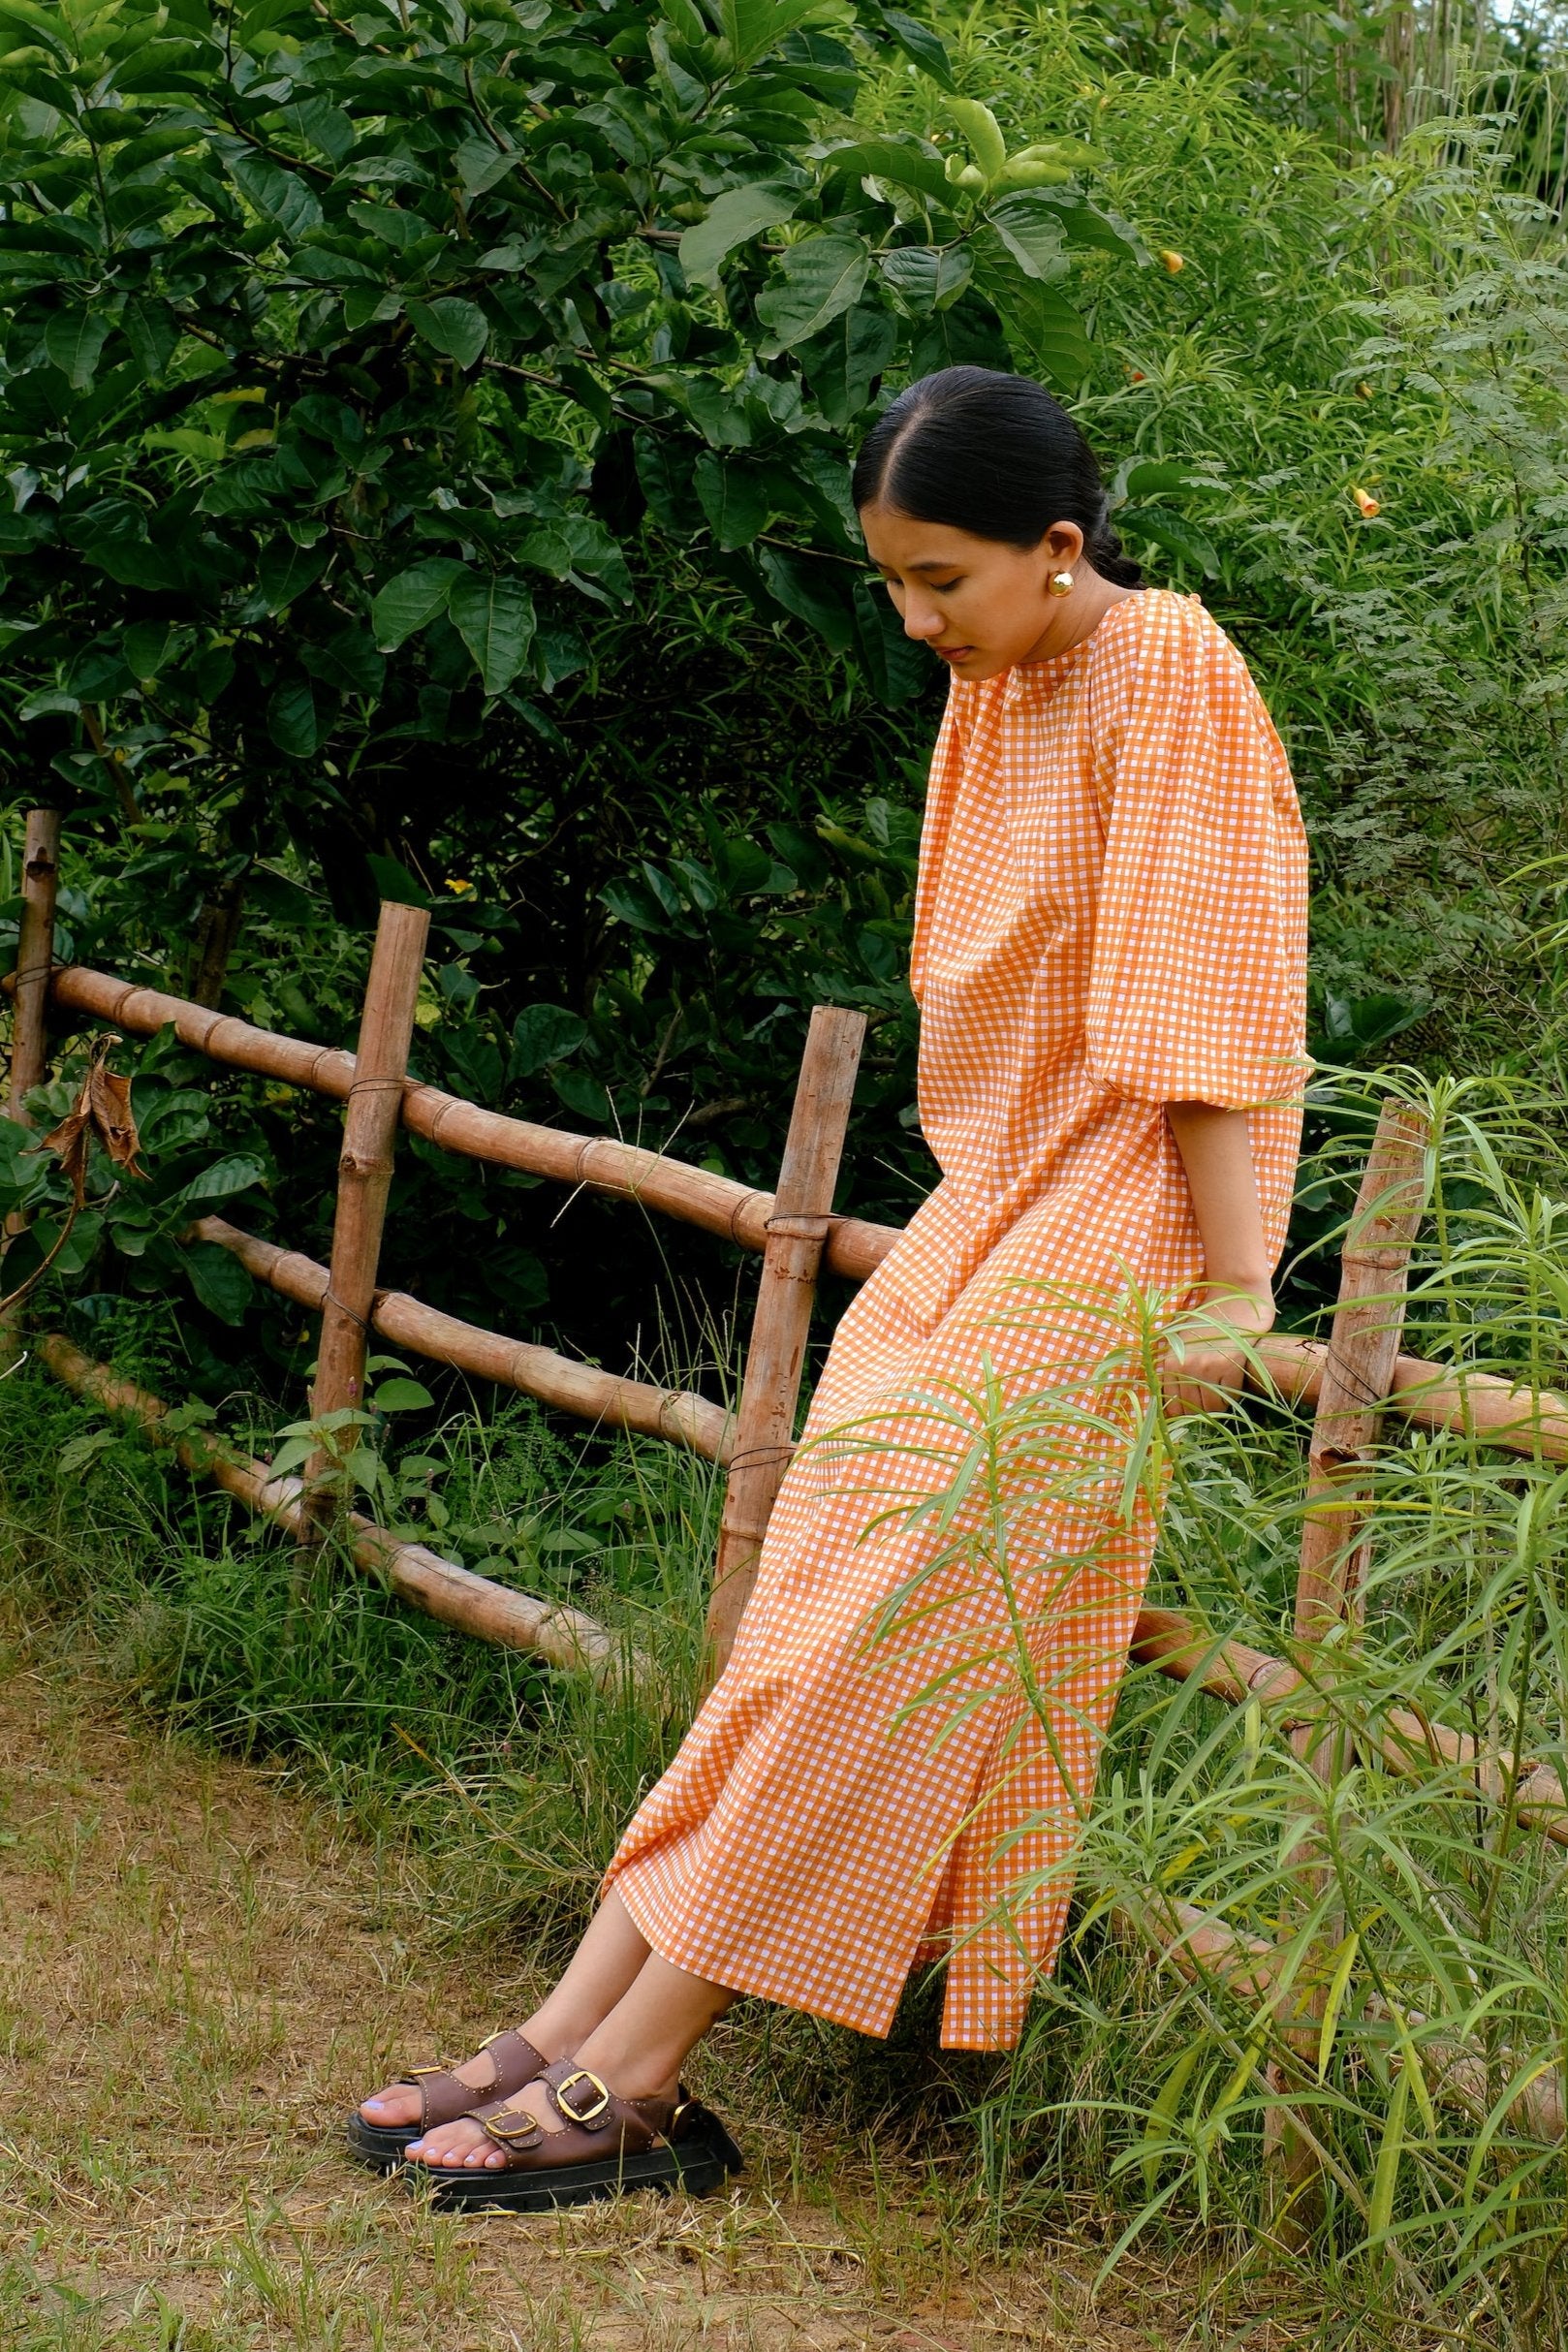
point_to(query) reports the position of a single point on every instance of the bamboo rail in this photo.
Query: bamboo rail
(718, 1203)
(676, 1414)
(797, 1231)
(364, 1174)
(1407, 1742)
(1496, 1411)
(493, 1612)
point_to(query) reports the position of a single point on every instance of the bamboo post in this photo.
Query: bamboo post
(29, 1019)
(1358, 1378)
(1358, 1375)
(364, 1170)
(796, 1229)
(35, 957)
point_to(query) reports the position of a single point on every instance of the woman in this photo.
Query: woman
(1109, 957)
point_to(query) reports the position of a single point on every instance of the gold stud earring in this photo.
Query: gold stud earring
(1060, 584)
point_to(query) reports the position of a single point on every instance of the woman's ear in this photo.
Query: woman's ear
(1062, 547)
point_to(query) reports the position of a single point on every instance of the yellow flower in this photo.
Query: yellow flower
(453, 883)
(1366, 502)
(1172, 261)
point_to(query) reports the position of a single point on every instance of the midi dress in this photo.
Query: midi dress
(896, 1765)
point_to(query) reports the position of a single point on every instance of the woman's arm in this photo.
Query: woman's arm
(1237, 1290)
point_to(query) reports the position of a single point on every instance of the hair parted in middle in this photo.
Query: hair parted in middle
(993, 454)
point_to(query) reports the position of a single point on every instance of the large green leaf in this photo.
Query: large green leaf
(907, 163)
(1044, 329)
(74, 341)
(544, 1034)
(286, 571)
(733, 497)
(753, 27)
(299, 716)
(897, 667)
(919, 43)
(218, 1279)
(810, 284)
(348, 661)
(495, 618)
(458, 329)
(412, 601)
(843, 363)
(223, 1180)
(280, 197)
(1175, 533)
(925, 278)
(1033, 235)
(813, 591)
(732, 218)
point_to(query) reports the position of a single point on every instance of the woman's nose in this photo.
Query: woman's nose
(920, 620)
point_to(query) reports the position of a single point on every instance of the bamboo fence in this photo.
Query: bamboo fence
(1350, 1381)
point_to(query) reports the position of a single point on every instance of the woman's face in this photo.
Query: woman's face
(980, 606)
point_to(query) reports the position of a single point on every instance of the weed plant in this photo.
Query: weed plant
(1394, 2003)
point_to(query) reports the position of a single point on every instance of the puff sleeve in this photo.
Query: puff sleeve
(1198, 974)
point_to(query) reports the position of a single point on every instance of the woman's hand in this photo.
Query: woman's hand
(1208, 1366)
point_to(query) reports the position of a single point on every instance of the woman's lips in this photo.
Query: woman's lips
(953, 653)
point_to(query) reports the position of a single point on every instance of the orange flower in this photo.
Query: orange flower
(1366, 502)
(1172, 261)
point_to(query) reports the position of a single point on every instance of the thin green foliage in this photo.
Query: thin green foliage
(1394, 1984)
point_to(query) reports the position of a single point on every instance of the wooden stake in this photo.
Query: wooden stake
(365, 1164)
(30, 997)
(796, 1229)
(35, 957)
(1358, 1376)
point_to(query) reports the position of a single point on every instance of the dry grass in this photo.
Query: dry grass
(200, 1969)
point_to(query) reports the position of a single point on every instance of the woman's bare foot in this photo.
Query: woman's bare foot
(467, 2143)
(606, 1964)
(637, 2051)
(398, 2106)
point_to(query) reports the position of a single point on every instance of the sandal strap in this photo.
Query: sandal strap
(443, 2096)
(579, 2097)
(585, 2104)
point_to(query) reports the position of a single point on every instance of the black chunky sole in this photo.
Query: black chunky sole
(382, 2146)
(697, 2164)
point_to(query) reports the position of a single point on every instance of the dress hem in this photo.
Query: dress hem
(731, 1979)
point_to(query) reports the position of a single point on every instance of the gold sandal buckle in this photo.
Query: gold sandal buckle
(584, 2115)
(522, 2130)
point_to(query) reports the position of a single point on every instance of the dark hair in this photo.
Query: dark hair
(994, 456)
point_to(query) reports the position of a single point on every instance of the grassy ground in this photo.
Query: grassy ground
(199, 1969)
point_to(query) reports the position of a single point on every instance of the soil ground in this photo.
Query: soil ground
(201, 1969)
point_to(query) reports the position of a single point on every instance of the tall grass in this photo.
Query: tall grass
(1412, 2025)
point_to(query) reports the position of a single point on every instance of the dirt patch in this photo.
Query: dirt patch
(199, 1972)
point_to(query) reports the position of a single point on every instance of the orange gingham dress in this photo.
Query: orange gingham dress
(1111, 916)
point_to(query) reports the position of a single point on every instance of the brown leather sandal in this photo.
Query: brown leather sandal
(443, 2097)
(609, 2145)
